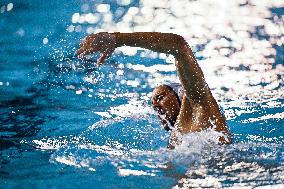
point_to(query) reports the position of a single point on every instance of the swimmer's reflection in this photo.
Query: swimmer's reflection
(194, 109)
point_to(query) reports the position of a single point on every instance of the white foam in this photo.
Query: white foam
(266, 117)
(128, 172)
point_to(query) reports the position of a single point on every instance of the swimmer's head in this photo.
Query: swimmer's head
(166, 102)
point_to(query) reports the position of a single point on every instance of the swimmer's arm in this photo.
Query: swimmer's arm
(189, 72)
(160, 42)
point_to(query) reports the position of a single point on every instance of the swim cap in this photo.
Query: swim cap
(177, 88)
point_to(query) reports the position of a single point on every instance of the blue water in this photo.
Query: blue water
(65, 123)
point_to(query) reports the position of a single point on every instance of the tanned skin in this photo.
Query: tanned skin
(198, 109)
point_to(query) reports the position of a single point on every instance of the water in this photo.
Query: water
(66, 123)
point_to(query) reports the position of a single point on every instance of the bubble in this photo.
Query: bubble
(70, 28)
(103, 8)
(10, 6)
(119, 72)
(2, 9)
(78, 92)
(123, 2)
(85, 7)
(45, 40)
(75, 17)
(78, 28)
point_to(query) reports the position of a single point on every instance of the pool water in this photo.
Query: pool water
(66, 123)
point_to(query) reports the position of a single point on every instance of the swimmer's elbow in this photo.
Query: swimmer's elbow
(179, 38)
(182, 48)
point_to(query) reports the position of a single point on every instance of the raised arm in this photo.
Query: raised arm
(188, 70)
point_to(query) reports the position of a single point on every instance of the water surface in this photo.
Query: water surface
(65, 123)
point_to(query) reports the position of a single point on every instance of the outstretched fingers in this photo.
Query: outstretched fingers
(100, 42)
(104, 55)
(86, 47)
(80, 51)
(85, 51)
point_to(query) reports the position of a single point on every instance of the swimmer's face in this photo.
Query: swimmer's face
(165, 102)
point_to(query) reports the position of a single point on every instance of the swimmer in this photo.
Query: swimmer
(182, 110)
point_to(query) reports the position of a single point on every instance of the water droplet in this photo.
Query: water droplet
(45, 40)
(10, 6)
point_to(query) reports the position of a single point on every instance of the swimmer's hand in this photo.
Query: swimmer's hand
(103, 42)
